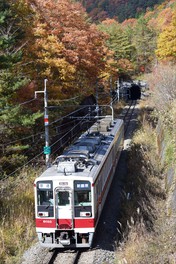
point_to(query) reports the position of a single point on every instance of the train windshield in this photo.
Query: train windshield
(63, 198)
(82, 193)
(44, 193)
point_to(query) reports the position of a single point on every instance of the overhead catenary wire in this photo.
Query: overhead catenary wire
(21, 139)
(61, 118)
(69, 115)
(15, 106)
(27, 102)
(80, 122)
(25, 164)
(41, 153)
(21, 167)
(24, 153)
(68, 132)
(34, 135)
(42, 132)
(69, 99)
(33, 99)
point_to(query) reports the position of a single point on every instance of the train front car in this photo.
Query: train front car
(69, 196)
(64, 213)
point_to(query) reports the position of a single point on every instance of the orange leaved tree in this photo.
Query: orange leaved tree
(65, 47)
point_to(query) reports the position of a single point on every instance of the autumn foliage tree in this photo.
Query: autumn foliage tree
(67, 49)
(99, 10)
(55, 39)
(43, 39)
(166, 44)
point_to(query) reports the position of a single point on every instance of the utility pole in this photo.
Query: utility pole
(97, 109)
(111, 90)
(96, 96)
(47, 149)
(118, 89)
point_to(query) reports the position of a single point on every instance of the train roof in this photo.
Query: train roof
(83, 158)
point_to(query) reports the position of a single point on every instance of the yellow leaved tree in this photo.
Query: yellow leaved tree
(166, 44)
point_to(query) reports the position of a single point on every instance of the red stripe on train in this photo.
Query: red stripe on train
(46, 223)
(65, 223)
(84, 223)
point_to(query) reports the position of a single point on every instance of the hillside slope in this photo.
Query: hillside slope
(119, 9)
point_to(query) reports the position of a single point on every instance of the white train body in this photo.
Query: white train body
(69, 196)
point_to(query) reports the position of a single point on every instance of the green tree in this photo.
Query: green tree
(119, 41)
(15, 122)
(144, 40)
(12, 78)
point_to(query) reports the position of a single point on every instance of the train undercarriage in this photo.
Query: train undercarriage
(66, 238)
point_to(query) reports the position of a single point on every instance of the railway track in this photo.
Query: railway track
(103, 246)
(66, 256)
(78, 256)
(127, 114)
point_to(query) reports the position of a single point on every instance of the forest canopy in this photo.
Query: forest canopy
(56, 40)
(120, 10)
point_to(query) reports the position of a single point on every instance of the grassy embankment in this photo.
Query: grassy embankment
(148, 230)
(17, 230)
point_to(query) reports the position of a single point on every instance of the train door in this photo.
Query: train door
(64, 208)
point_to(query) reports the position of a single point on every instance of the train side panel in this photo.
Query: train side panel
(106, 174)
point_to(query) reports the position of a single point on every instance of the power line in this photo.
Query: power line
(23, 165)
(24, 153)
(37, 134)
(42, 132)
(33, 135)
(13, 107)
(56, 127)
(68, 133)
(69, 99)
(42, 151)
(29, 101)
(21, 139)
(71, 113)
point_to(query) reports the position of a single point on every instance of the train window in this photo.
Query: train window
(82, 198)
(82, 193)
(44, 197)
(45, 193)
(63, 198)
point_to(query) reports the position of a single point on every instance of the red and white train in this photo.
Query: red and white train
(69, 196)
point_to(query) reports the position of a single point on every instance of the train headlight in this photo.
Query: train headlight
(85, 214)
(43, 214)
